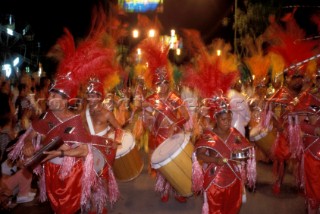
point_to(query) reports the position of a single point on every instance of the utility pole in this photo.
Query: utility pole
(235, 27)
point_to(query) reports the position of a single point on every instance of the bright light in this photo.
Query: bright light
(139, 51)
(16, 61)
(178, 51)
(135, 33)
(7, 68)
(218, 52)
(152, 33)
(173, 32)
(9, 31)
(40, 70)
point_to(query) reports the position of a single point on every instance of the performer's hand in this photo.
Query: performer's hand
(28, 150)
(51, 154)
(221, 161)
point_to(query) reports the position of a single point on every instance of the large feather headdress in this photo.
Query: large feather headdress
(92, 57)
(289, 42)
(158, 67)
(212, 73)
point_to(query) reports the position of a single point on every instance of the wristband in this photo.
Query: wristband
(61, 153)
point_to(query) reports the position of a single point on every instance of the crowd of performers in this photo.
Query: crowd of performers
(231, 119)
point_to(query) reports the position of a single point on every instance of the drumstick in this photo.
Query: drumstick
(235, 160)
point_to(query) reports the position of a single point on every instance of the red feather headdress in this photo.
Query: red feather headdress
(290, 44)
(155, 55)
(212, 74)
(92, 58)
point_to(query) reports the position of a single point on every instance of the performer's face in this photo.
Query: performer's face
(163, 88)
(224, 120)
(56, 102)
(295, 83)
(93, 99)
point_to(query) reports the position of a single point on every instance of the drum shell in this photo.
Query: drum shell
(178, 170)
(129, 165)
(265, 143)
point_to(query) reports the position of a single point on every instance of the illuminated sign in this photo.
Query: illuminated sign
(140, 6)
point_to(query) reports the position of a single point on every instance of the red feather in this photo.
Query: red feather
(156, 55)
(211, 74)
(289, 43)
(94, 57)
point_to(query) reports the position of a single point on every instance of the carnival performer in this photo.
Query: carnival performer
(309, 121)
(63, 172)
(101, 123)
(223, 177)
(99, 119)
(258, 134)
(166, 109)
(284, 118)
(67, 174)
(296, 57)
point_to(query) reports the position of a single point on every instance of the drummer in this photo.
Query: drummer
(101, 123)
(167, 111)
(99, 119)
(257, 131)
(283, 121)
(56, 170)
(223, 184)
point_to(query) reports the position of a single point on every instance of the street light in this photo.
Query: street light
(152, 33)
(135, 33)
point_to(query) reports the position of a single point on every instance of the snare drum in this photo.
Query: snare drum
(173, 159)
(103, 151)
(128, 163)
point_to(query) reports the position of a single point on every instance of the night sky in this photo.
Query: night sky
(48, 17)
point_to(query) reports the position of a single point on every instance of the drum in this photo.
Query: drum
(103, 151)
(128, 163)
(263, 139)
(99, 160)
(173, 159)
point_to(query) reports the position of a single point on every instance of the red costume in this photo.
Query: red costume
(287, 142)
(165, 115)
(223, 184)
(164, 104)
(309, 105)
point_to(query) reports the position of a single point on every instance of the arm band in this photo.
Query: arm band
(61, 153)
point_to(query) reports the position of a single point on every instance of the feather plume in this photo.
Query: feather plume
(155, 55)
(193, 43)
(92, 57)
(277, 66)
(289, 42)
(211, 73)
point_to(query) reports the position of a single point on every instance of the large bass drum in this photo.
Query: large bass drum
(173, 159)
(128, 163)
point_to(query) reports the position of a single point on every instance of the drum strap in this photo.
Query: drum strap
(90, 124)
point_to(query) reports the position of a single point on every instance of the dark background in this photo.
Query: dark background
(48, 17)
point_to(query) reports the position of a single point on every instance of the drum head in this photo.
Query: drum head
(98, 160)
(126, 146)
(256, 133)
(169, 149)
